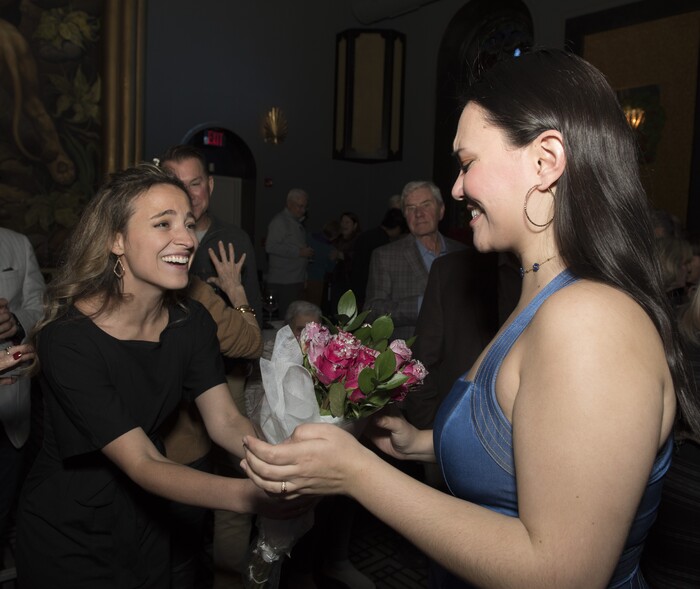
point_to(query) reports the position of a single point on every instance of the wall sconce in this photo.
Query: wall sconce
(274, 126)
(369, 80)
(634, 116)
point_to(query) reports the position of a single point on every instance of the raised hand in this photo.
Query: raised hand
(228, 271)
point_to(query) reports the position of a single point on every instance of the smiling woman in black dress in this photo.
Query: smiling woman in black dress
(118, 348)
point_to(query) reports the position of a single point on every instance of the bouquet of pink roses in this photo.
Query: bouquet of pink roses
(337, 373)
(355, 370)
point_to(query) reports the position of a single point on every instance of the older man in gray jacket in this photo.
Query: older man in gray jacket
(398, 271)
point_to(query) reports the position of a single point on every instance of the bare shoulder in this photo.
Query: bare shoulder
(593, 309)
(591, 355)
(591, 334)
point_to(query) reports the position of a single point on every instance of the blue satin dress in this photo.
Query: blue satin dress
(473, 443)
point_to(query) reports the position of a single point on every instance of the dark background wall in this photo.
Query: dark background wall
(225, 63)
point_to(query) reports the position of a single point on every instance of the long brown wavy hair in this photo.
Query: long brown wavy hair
(86, 269)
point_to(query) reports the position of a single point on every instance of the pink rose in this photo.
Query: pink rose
(399, 393)
(356, 396)
(313, 339)
(365, 358)
(336, 357)
(415, 371)
(401, 351)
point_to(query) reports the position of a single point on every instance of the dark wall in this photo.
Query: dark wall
(227, 62)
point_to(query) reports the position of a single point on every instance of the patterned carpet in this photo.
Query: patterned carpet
(387, 558)
(376, 550)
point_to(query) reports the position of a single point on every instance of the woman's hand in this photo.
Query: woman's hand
(319, 459)
(394, 436)
(10, 358)
(281, 505)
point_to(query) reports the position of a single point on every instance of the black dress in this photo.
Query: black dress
(82, 523)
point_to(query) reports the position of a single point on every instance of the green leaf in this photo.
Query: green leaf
(363, 333)
(47, 29)
(378, 399)
(385, 365)
(367, 380)
(347, 305)
(342, 320)
(381, 345)
(410, 341)
(357, 322)
(382, 328)
(63, 104)
(394, 382)
(338, 398)
(70, 32)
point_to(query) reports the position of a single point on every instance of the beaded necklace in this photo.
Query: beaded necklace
(535, 267)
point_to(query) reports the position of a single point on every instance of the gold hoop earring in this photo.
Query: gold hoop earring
(527, 216)
(118, 268)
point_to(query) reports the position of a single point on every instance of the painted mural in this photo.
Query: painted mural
(50, 91)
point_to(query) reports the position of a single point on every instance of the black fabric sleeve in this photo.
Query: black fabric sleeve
(86, 409)
(205, 368)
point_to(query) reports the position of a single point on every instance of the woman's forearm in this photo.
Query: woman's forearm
(489, 549)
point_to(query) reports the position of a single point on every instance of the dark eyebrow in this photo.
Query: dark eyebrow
(171, 212)
(164, 213)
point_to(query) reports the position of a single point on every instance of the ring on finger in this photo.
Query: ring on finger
(284, 487)
(7, 351)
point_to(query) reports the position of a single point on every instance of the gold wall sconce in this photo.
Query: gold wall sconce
(274, 126)
(634, 116)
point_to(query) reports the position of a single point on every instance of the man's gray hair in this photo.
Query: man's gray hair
(295, 194)
(302, 308)
(415, 185)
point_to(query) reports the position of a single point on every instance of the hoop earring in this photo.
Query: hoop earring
(118, 268)
(527, 216)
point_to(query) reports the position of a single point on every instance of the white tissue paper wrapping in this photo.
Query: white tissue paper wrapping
(289, 398)
(288, 401)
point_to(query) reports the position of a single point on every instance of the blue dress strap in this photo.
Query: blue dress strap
(492, 426)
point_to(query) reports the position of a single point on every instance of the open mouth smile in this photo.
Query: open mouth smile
(475, 211)
(178, 260)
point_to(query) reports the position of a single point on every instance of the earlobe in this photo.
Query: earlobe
(551, 158)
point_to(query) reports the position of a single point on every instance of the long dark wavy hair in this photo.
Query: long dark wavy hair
(87, 263)
(602, 222)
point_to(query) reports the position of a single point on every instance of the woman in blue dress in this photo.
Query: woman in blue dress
(554, 444)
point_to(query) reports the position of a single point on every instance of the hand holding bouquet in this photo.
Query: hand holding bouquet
(337, 373)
